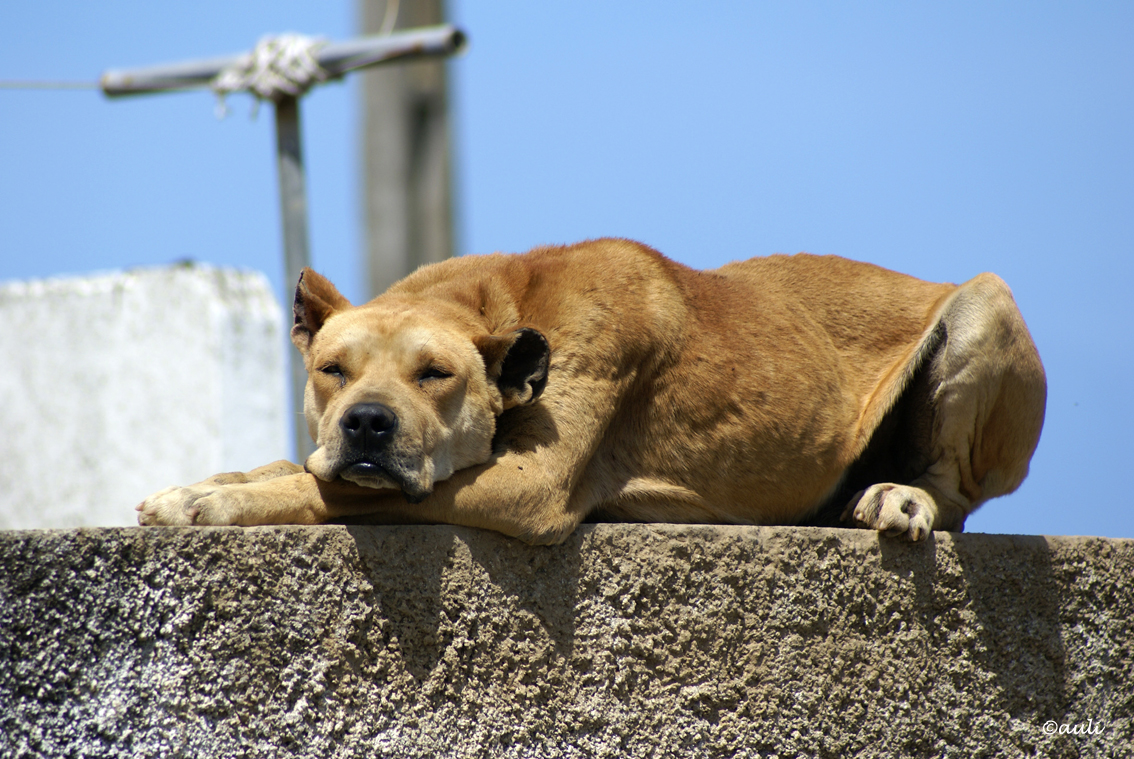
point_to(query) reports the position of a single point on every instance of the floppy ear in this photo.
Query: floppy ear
(315, 300)
(517, 362)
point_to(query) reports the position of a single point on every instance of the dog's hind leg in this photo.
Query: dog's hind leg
(987, 396)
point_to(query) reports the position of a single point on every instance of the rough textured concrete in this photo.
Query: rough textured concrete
(97, 370)
(630, 640)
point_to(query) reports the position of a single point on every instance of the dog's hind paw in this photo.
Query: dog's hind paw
(895, 510)
(178, 506)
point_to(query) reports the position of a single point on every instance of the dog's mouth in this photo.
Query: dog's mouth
(367, 470)
(371, 474)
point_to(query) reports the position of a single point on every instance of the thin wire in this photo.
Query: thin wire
(17, 84)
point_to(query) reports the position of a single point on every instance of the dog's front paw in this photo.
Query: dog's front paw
(896, 510)
(195, 505)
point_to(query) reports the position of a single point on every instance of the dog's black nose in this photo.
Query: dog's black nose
(368, 424)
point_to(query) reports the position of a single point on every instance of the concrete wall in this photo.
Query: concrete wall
(117, 385)
(629, 640)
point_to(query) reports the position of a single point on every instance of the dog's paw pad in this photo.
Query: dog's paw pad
(894, 510)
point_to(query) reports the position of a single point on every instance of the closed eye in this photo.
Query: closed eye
(434, 373)
(335, 371)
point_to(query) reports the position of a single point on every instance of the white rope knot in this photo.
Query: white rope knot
(279, 66)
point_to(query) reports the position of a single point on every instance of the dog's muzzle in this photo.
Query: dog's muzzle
(368, 431)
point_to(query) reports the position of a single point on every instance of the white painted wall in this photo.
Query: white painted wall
(114, 386)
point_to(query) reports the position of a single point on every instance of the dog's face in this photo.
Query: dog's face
(403, 391)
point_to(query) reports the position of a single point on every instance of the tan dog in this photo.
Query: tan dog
(526, 393)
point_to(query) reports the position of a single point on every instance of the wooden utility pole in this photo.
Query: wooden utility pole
(408, 200)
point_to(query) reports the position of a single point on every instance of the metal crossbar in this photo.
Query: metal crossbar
(337, 58)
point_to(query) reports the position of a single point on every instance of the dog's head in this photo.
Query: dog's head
(405, 390)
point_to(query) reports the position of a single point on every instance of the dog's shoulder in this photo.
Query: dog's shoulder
(595, 290)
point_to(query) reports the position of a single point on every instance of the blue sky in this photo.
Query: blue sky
(940, 140)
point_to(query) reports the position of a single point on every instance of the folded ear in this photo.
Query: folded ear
(517, 362)
(315, 300)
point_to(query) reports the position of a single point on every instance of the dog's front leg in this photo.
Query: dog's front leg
(180, 505)
(519, 495)
(286, 499)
